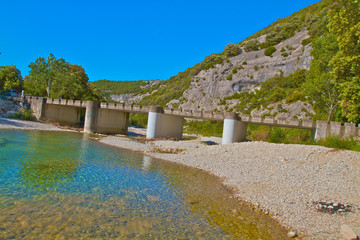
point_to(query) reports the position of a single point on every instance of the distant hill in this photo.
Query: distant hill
(117, 88)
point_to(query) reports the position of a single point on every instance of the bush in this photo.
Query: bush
(270, 50)
(24, 115)
(306, 41)
(229, 77)
(232, 50)
(251, 46)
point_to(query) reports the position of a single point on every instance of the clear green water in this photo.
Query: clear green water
(66, 186)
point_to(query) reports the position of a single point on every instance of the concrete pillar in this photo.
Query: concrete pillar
(234, 130)
(162, 125)
(322, 130)
(91, 113)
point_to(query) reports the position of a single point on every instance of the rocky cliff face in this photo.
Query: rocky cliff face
(244, 71)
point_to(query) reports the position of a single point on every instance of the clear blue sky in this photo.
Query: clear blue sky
(131, 40)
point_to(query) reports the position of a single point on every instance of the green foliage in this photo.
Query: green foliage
(252, 45)
(10, 78)
(295, 96)
(273, 90)
(311, 17)
(108, 88)
(344, 24)
(54, 77)
(24, 115)
(232, 50)
(306, 41)
(138, 120)
(279, 135)
(285, 54)
(205, 128)
(269, 51)
(320, 86)
(339, 143)
(229, 77)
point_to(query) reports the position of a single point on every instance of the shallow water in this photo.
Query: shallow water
(67, 186)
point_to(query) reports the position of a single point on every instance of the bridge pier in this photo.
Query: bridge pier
(161, 125)
(91, 114)
(234, 130)
(98, 120)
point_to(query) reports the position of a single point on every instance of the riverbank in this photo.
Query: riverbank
(289, 182)
(312, 190)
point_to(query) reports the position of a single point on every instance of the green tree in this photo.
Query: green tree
(54, 77)
(320, 85)
(44, 73)
(344, 24)
(10, 78)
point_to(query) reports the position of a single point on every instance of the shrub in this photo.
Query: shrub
(24, 114)
(244, 63)
(306, 41)
(251, 46)
(295, 96)
(232, 50)
(256, 68)
(270, 50)
(339, 143)
(285, 54)
(229, 77)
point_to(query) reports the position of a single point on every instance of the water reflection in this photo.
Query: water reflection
(66, 186)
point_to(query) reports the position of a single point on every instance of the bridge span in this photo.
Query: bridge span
(166, 122)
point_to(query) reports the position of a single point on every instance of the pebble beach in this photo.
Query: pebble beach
(311, 190)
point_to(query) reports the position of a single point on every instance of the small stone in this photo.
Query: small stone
(330, 207)
(336, 204)
(347, 233)
(291, 234)
(341, 210)
(266, 213)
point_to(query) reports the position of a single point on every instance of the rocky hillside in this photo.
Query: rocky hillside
(244, 71)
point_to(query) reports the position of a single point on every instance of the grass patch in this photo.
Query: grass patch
(205, 128)
(340, 143)
(24, 115)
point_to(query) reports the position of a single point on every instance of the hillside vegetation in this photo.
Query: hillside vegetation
(107, 87)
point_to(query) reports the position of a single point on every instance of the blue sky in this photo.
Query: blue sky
(131, 40)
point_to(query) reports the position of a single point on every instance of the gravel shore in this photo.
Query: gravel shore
(290, 182)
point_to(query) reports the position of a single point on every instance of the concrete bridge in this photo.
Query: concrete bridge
(166, 122)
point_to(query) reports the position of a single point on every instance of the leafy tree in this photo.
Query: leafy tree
(54, 77)
(320, 85)
(344, 24)
(10, 78)
(44, 72)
